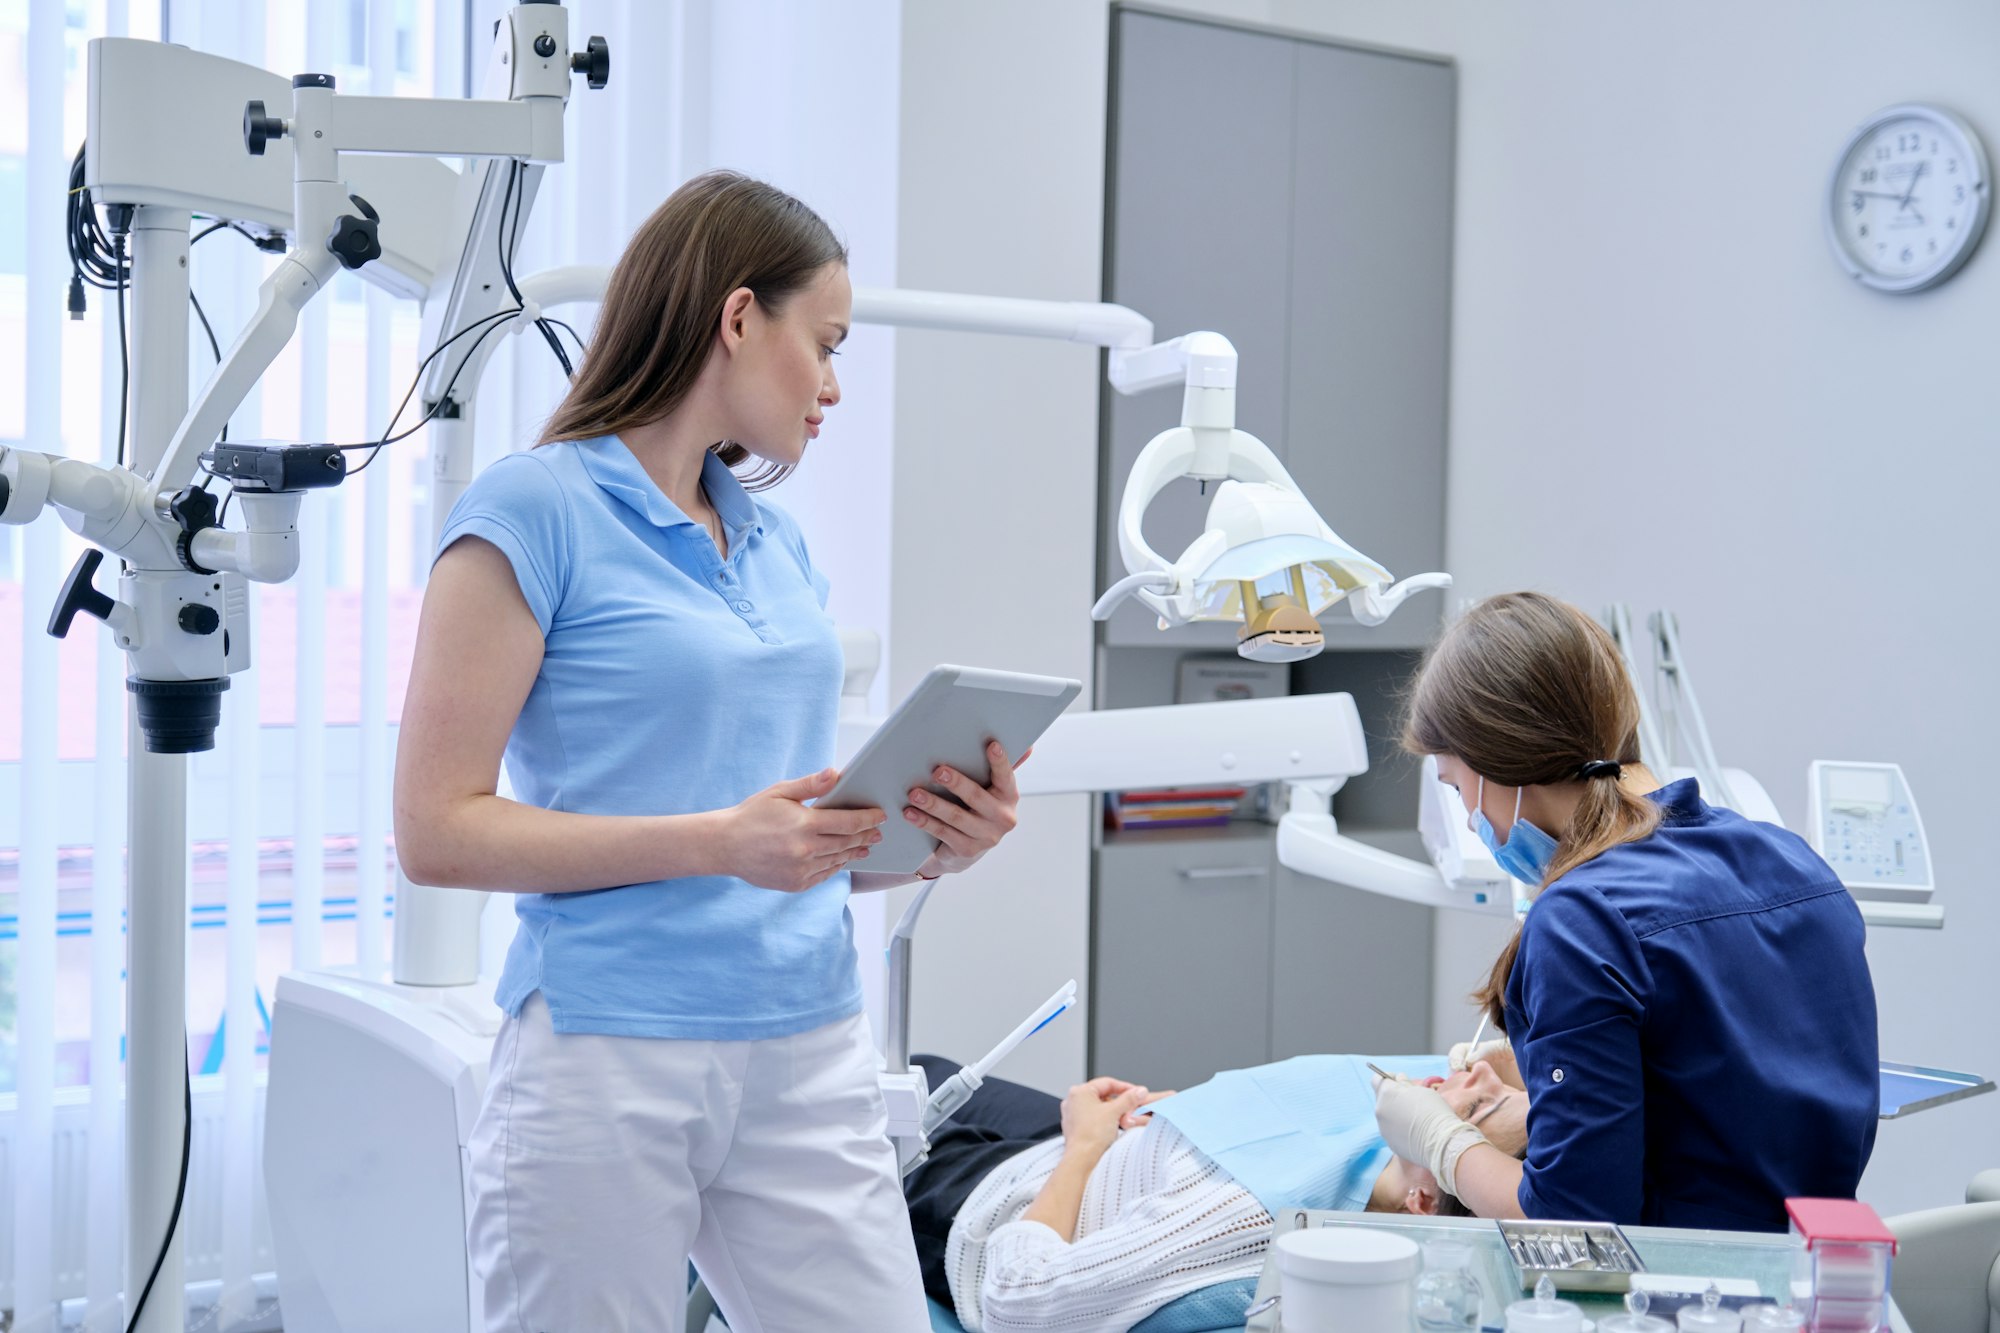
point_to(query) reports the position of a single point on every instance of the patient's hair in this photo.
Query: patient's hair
(716, 233)
(1525, 690)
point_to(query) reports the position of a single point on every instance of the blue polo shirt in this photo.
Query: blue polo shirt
(1695, 1022)
(672, 681)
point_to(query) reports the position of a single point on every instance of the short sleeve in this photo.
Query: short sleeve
(1581, 985)
(517, 503)
(795, 541)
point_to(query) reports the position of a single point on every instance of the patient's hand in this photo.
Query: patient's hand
(1094, 1112)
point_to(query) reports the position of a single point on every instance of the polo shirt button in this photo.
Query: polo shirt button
(1557, 1076)
(743, 606)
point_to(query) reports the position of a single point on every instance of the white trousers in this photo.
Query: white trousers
(601, 1164)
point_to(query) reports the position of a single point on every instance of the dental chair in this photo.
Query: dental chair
(1947, 1267)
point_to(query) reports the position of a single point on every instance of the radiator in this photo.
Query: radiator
(201, 1216)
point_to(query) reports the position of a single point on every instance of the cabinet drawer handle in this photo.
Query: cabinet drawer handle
(1221, 872)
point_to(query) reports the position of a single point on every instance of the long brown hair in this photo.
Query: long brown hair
(1526, 690)
(716, 233)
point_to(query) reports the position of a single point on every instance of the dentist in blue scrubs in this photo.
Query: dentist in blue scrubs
(683, 1068)
(1688, 1003)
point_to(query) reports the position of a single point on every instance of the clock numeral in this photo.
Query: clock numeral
(1859, 203)
(1864, 230)
(1933, 245)
(1934, 148)
(1868, 175)
(1958, 194)
(1951, 166)
(1881, 152)
(1907, 256)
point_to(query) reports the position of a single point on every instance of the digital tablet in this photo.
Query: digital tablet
(947, 719)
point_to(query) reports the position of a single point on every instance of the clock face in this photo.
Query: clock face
(1909, 199)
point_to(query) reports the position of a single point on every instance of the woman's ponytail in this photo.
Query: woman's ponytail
(1527, 690)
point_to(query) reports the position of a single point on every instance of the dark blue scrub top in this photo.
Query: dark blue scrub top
(1695, 1023)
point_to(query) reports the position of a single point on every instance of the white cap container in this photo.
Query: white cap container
(1341, 1279)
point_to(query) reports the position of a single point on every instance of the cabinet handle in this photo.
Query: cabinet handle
(1221, 872)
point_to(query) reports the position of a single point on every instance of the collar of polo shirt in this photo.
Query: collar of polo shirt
(612, 466)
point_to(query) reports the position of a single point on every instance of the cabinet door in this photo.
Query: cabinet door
(1200, 165)
(1350, 973)
(1181, 950)
(1370, 315)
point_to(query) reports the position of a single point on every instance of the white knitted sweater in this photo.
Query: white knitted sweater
(1159, 1220)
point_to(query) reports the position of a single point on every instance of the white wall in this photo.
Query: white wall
(1664, 390)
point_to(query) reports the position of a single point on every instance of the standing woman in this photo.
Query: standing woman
(1688, 1001)
(683, 1068)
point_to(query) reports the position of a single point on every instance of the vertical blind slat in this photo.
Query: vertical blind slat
(35, 957)
(315, 547)
(240, 32)
(375, 569)
(104, 1241)
(104, 1246)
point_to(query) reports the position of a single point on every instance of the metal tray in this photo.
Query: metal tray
(1576, 1256)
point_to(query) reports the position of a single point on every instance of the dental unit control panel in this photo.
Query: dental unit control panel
(1865, 823)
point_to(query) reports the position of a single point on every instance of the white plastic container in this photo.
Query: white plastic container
(1343, 1279)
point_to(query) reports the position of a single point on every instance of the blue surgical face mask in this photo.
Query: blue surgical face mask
(1527, 853)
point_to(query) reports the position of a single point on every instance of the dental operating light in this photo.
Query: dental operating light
(1266, 558)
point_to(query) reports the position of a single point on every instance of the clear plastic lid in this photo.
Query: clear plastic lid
(1544, 1313)
(1772, 1318)
(1635, 1319)
(1709, 1316)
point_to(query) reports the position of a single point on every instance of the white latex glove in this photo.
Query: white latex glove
(1419, 1126)
(1464, 1055)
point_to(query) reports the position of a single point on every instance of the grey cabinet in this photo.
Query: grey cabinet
(1350, 971)
(1208, 955)
(1296, 197)
(1180, 956)
(1370, 315)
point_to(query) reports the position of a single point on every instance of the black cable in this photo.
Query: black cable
(180, 1193)
(124, 349)
(483, 327)
(573, 335)
(505, 245)
(213, 345)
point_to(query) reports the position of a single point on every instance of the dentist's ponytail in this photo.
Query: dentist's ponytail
(1527, 690)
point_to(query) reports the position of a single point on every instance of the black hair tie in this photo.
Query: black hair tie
(1600, 768)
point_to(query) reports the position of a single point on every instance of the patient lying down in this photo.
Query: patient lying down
(1091, 1213)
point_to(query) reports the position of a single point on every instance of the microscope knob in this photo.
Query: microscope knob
(259, 129)
(545, 46)
(78, 594)
(354, 242)
(200, 618)
(593, 62)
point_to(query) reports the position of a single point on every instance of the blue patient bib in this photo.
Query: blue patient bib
(1297, 1134)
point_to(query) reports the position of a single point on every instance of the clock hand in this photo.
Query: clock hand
(1912, 186)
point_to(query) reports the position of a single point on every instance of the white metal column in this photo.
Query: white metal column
(104, 1248)
(157, 915)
